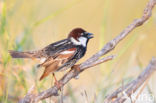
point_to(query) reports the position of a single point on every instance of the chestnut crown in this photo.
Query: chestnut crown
(79, 32)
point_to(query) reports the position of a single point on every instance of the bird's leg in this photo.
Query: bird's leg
(57, 83)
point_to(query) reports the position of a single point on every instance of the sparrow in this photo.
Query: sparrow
(60, 55)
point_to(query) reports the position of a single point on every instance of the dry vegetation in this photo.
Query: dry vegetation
(26, 24)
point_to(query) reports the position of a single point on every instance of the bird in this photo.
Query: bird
(59, 55)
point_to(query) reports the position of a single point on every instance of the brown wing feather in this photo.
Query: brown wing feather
(49, 69)
(52, 64)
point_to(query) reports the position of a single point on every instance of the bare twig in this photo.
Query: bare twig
(61, 96)
(130, 88)
(142, 88)
(95, 59)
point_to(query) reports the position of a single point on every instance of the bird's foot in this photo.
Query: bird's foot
(57, 83)
(76, 67)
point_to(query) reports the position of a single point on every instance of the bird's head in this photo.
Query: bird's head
(79, 36)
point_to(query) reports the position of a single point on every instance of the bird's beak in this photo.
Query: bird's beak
(89, 35)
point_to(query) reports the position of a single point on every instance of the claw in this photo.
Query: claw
(57, 83)
(76, 67)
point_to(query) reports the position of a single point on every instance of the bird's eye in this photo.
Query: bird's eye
(82, 34)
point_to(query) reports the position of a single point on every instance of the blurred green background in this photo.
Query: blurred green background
(33, 24)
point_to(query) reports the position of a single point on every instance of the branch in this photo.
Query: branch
(131, 87)
(94, 60)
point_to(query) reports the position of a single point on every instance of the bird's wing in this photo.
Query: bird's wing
(57, 47)
(53, 64)
(51, 51)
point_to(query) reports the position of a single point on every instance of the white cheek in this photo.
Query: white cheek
(75, 41)
(83, 41)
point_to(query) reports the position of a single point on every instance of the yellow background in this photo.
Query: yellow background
(33, 24)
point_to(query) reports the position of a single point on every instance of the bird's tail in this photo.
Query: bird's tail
(17, 54)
